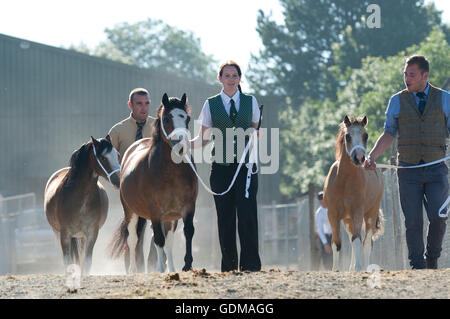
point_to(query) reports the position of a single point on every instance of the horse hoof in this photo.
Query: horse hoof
(132, 270)
(187, 268)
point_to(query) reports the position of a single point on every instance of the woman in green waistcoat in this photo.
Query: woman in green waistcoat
(228, 114)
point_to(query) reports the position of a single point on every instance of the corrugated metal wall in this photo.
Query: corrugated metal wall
(52, 100)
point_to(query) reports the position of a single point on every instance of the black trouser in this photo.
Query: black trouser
(228, 206)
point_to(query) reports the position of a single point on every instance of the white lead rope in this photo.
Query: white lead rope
(446, 203)
(253, 155)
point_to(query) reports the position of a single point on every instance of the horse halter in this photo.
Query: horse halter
(103, 168)
(180, 130)
(354, 148)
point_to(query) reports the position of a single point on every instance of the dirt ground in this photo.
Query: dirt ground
(267, 284)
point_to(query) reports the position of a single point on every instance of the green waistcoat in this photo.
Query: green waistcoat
(421, 137)
(221, 120)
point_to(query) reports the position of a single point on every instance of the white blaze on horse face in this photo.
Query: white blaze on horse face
(356, 147)
(113, 159)
(180, 135)
(179, 118)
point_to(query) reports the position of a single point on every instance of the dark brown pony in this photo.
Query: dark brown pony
(353, 194)
(155, 184)
(76, 203)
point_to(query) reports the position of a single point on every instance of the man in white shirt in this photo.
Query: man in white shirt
(324, 232)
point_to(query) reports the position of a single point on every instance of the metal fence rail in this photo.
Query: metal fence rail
(25, 237)
(285, 240)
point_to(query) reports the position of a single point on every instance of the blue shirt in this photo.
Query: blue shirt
(393, 109)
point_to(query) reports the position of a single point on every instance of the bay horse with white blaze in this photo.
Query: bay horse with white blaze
(75, 202)
(353, 194)
(155, 184)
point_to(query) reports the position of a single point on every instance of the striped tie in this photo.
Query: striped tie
(139, 130)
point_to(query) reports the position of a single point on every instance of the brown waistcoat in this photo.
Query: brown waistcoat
(421, 137)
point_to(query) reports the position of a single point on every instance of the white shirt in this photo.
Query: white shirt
(323, 224)
(205, 115)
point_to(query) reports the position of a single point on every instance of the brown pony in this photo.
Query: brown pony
(353, 194)
(76, 203)
(155, 184)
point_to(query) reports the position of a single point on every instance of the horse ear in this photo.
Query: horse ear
(364, 121)
(184, 99)
(165, 99)
(94, 141)
(108, 138)
(347, 121)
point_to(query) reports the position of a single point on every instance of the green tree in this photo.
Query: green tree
(309, 132)
(154, 44)
(307, 56)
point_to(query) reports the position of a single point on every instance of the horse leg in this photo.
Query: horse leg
(158, 232)
(75, 250)
(370, 229)
(66, 242)
(188, 234)
(140, 230)
(367, 246)
(353, 228)
(89, 248)
(168, 245)
(132, 242)
(153, 256)
(335, 238)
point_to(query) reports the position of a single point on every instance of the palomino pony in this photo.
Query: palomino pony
(155, 184)
(76, 203)
(353, 194)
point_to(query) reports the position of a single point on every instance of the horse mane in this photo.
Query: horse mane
(175, 103)
(79, 159)
(341, 134)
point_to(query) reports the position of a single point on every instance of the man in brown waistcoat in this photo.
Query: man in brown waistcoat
(138, 125)
(420, 116)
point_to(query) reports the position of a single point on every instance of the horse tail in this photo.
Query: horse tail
(379, 225)
(118, 244)
(74, 250)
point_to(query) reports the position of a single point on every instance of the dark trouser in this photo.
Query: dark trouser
(327, 259)
(426, 186)
(227, 206)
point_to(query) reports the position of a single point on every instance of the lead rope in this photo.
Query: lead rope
(252, 160)
(249, 172)
(446, 203)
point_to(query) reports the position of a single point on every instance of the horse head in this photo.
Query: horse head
(355, 138)
(174, 117)
(106, 160)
